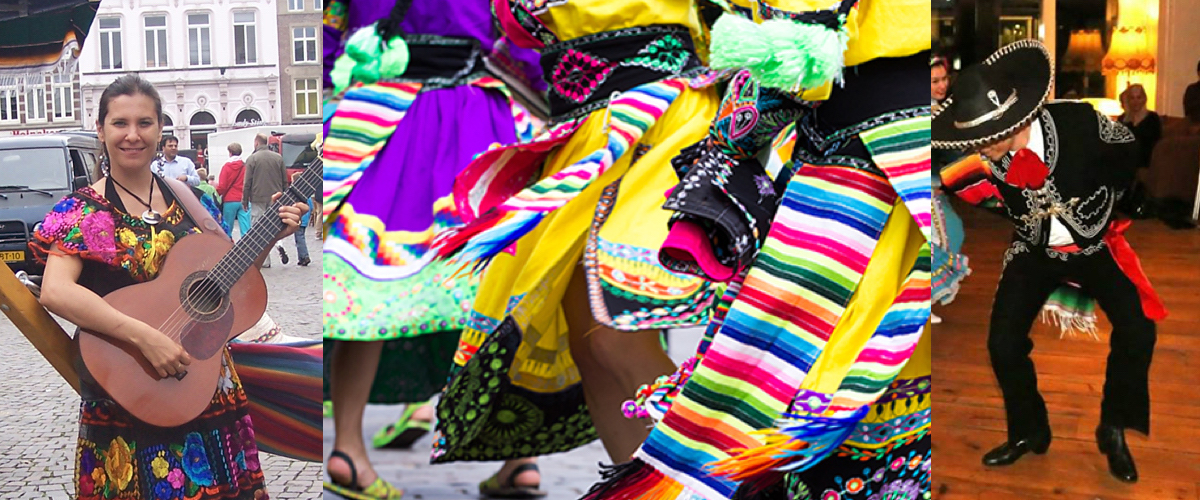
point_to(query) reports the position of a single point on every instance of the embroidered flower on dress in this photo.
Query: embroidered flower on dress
(160, 466)
(765, 186)
(195, 460)
(98, 478)
(175, 477)
(99, 234)
(60, 220)
(246, 431)
(127, 238)
(163, 490)
(854, 485)
(156, 251)
(905, 489)
(118, 463)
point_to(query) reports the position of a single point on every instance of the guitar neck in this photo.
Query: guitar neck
(262, 234)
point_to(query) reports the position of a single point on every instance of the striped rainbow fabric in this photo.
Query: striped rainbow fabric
(283, 384)
(361, 125)
(902, 150)
(629, 116)
(967, 178)
(820, 243)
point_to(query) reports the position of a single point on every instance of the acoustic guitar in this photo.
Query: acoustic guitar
(207, 292)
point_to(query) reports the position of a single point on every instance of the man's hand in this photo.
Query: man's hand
(183, 178)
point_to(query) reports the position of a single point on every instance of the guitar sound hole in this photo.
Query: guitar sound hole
(204, 296)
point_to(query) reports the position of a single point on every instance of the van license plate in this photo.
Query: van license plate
(12, 256)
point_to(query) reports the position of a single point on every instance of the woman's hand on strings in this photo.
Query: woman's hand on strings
(168, 357)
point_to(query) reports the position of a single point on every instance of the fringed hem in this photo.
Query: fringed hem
(637, 480)
(796, 443)
(1070, 323)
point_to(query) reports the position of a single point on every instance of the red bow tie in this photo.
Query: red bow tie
(1026, 170)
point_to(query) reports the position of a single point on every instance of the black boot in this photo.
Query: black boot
(1112, 444)
(1011, 451)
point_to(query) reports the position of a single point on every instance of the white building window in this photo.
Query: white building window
(8, 105)
(110, 43)
(64, 98)
(35, 100)
(317, 4)
(156, 41)
(304, 45)
(244, 42)
(294, 5)
(307, 97)
(199, 41)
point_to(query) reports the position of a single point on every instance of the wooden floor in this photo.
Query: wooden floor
(969, 417)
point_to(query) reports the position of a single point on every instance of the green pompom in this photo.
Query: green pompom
(394, 60)
(779, 53)
(343, 67)
(736, 44)
(364, 44)
(366, 72)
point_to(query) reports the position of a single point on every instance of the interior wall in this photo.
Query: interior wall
(1178, 52)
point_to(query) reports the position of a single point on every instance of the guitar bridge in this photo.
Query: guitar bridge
(179, 376)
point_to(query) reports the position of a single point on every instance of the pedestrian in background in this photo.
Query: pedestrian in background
(230, 188)
(206, 187)
(265, 176)
(173, 166)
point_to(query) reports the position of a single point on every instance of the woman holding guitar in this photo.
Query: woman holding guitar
(115, 233)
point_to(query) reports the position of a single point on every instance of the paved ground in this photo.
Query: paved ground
(39, 419)
(565, 476)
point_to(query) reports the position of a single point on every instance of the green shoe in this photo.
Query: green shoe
(327, 409)
(404, 432)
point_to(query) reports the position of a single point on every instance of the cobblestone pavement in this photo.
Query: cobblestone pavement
(39, 420)
(565, 476)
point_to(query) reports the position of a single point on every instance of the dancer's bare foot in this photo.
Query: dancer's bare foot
(424, 413)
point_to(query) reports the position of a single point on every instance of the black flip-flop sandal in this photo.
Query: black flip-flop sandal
(378, 490)
(491, 487)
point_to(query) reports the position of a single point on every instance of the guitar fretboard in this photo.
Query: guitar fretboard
(262, 234)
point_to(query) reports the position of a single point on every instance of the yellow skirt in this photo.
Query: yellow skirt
(527, 386)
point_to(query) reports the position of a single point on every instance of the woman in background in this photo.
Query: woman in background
(950, 266)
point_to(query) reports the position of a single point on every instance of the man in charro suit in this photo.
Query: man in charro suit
(1055, 170)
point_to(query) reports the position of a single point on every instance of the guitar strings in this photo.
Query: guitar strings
(178, 319)
(175, 323)
(173, 326)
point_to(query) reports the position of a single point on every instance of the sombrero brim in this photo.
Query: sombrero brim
(1022, 67)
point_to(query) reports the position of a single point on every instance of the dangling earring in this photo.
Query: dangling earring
(104, 166)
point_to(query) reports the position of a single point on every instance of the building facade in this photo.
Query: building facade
(214, 62)
(39, 89)
(300, 60)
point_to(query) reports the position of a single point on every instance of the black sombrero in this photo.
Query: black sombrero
(993, 99)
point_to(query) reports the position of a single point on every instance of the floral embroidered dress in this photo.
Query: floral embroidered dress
(120, 457)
